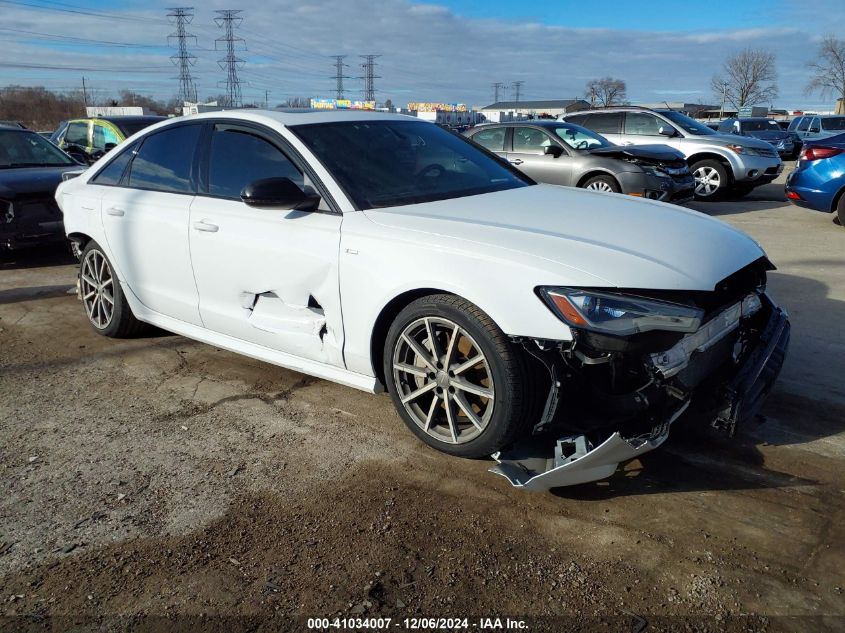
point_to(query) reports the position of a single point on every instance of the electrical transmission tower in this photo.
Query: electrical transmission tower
(182, 16)
(228, 19)
(369, 77)
(517, 89)
(496, 87)
(339, 76)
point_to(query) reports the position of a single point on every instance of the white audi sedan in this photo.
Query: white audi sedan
(559, 330)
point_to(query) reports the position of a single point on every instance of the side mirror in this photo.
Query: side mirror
(664, 130)
(552, 150)
(278, 193)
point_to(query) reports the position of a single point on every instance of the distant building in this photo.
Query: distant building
(95, 111)
(198, 108)
(550, 107)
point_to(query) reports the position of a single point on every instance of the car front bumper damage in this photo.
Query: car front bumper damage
(728, 395)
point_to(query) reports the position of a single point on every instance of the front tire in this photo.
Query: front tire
(840, 210)
(711, 179)
(456, 380)
(105, 304)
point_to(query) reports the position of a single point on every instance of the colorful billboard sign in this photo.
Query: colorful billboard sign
(342, 104)
(437, 107)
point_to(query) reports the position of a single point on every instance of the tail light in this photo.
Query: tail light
(819, 152)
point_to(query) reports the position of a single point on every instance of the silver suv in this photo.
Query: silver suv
(719, 163)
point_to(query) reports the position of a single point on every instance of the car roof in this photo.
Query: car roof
(129, 118)
(298, 117)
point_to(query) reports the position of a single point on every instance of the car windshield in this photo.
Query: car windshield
(391, 163)
(28, 149)
(834, 123)
(760, 125)
(578, 137)
(688, 125)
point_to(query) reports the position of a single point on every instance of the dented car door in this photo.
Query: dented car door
(268, 276)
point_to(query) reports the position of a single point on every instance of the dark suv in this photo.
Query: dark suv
(763, 128)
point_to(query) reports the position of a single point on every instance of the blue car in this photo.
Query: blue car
(818, 181)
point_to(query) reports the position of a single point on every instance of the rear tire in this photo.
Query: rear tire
(105, 305)
(840, 210)
(607, 184)
(470, 396)
(711, 179)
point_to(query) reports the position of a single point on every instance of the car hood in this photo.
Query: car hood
(32, 182)
(732, 139)
(578, 237)
(766, 135)
(658, 153)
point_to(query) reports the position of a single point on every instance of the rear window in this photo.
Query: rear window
(494, 139)
(834, 123)
(165, 159)
(604, 122)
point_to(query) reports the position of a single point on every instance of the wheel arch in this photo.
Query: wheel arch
(598, 172)
(385, 319)
(78, 242)
(835, 202)
(692, 160)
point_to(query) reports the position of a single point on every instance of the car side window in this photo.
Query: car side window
(494, 139)
(604, 122)
(112, 173)
(643, 124)
(103, 135)
(530, 140)
(815, 125)
(793, 124)
(164, 161)
(238, 157)
(77, 134)
(725, 126)
(805, 123)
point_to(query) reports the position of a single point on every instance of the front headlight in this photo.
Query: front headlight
(620, 315)
(742, 149)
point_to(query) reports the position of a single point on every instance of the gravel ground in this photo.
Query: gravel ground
(159, 483)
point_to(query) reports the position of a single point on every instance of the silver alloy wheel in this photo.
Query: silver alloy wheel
(97, 284)
(443, 380)
(599, 185)
(707, 181)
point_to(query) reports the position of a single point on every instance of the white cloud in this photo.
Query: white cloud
(428, 52)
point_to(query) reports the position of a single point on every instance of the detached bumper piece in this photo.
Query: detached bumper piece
(729, 365)
(575, 460)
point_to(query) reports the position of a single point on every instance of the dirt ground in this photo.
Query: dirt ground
(162, 484)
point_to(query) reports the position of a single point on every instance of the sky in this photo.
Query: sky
(451, 51)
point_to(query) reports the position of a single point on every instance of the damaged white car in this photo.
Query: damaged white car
(560, 330)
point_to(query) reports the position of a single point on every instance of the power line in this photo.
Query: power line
(369, 77)
(228, 20)
(339, 76)
(182, 16)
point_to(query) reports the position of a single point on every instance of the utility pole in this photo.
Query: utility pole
(84, 95)
(266, 99)
(496, 87)
(517, 89)
(369, 76)
(338, 75)
(182, 16)
(228, 19)
(724, 98)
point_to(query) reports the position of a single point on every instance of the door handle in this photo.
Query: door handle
(202, 225)
(627, 143)
(115, 211)
(516, 161)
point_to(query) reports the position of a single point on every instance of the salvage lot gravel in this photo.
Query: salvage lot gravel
(159, 480)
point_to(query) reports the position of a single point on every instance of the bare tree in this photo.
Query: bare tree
(829, 69)
(749, 77)
(606, 92)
